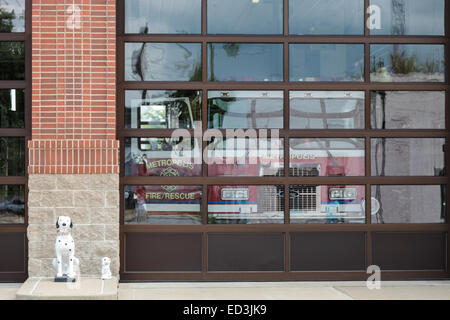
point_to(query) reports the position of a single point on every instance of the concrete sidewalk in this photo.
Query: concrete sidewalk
(390, 290)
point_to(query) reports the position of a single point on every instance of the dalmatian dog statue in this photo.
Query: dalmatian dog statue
(106, 271)
(65, 261)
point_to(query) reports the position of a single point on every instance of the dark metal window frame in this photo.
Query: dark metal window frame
(285, 133)
(19, 132)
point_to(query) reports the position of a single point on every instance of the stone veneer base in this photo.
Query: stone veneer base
(92, 201)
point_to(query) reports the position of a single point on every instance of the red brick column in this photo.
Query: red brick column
(73, 87)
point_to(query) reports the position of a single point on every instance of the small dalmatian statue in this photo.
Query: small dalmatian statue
(65, 261)
(106, 271)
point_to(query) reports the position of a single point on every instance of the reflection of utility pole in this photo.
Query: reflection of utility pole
(398, 20)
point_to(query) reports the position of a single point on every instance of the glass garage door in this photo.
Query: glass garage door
(283, 140)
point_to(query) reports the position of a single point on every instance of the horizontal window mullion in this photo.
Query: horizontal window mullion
(13, 228)
(299, 133)
(350, 180)
(16, 180)
(13, 132)
(252, 38)
(288, 228)
(344, 86)
(13, 84)
(13, 36)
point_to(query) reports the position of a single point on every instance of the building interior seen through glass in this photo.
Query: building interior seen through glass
(270, 95)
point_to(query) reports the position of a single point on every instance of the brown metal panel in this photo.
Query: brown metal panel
(328, 251)
(12, 251)
(245, 252)
(409, 250)
(166, 252)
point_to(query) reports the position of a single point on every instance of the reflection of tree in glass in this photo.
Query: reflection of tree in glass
(12, 60)
(401, 64)
(6, 20)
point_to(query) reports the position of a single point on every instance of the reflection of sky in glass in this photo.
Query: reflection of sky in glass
(326, 62)
(163, 61)
(420, 17)
(406, 62)
(326, 17)
(163, 16)
(245, 17)
(245, 62)
(18, 23)
(245, 109)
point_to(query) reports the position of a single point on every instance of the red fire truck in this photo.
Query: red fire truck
(238, 157)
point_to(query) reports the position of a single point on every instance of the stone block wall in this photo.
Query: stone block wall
(92, 201)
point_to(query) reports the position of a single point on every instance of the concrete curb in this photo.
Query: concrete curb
(83, 289)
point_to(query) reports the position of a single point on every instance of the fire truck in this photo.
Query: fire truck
(239, 157)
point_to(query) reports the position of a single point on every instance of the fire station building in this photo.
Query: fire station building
(226, 139)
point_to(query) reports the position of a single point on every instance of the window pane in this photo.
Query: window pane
(163, 61)
(12, 204)
(411, 17)
(408, 109)
(326, 62)
(326, 157)
(245, 157)
(162, 109)
(407, 63)
(245, 204)
(12, 108)
(408, 157)
(408, 204)
(326, 109)
(245, 109)
(163, 204)
(326, 17)
(168, 16)
(12, 16)
(245, 17)
(12, 156)
(326, 204)
(12, 60)
(245, 62)
(164, 157)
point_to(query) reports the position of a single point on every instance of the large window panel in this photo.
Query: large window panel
(326, 62)
(168, 16)
(163, 61)
(407, 63)
(407, 109)
(326, 109)
(12, 204)
(12, 60)
(245, 17)
(408, 156)
(163, 204)
(333, 17)
(326, 204)
(245, 62)
(409, 204)
(12, 156)
(162, 109)
(313, 157)
(410, 17)
(245, 109)
(245, 204)
(237, 157)
(162, 157)
(12, 16)
(12, 108)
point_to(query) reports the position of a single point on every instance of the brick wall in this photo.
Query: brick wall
(73, 154)
(73, 87)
